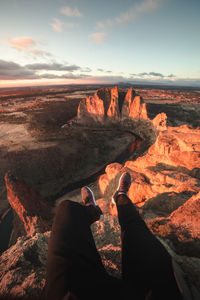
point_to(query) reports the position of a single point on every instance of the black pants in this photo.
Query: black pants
(74, 264)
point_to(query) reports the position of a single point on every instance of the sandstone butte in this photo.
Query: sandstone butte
(165, 187)
(111, 104)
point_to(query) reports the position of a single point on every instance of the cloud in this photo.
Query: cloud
(137, 10)
(57, 25)
(10, 71)
(21, 43)
(133, 13)
(87, 70)
(171, 76)
(142, 74)
(68, 75)
(154, 74)
(52, 67)
(98, 37)
(13, 71)
(116, 79)
(100, 70)
(27, 45)
(71, 12)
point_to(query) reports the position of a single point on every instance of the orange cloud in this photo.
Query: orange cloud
(26, 44)
(21, 43)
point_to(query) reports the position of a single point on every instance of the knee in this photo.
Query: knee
(66, 206)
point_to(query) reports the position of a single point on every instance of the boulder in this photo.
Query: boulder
(23, 267)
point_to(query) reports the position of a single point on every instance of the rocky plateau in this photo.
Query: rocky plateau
(164, 163)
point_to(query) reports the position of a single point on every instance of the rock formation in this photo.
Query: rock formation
(165, 186)
(170, 166)
(182, 226)
(23, 267)
(91, 108)
(128, 100)
(160, 121)
(113, 109)
(32, 214)
(112, 104)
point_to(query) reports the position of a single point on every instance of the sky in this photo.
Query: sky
(92, 41)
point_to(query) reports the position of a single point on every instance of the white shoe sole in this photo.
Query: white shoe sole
(93, 198)
(119, 182)
(122, 193)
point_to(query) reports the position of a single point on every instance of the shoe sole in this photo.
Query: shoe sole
(113, 201)
(119, 181)
(93, 198)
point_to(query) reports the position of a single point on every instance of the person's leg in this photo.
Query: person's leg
(73, 260)
(73, 263)
(145, 261)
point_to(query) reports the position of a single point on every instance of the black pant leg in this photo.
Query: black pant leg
(73, 262)
(145, 261)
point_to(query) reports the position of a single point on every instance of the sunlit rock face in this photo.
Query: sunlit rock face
(165, 185)
(33, 213)
(188, 216)
(112, 104)
(113, 109)
(171, 165)
(160, 121)
(91, 108)
(138, 109)
(182, 227)
(128, 100)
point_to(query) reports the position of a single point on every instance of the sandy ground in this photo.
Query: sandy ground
(16, 137)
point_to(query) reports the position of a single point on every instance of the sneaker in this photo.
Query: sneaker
(88, 196)
(123, 186)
